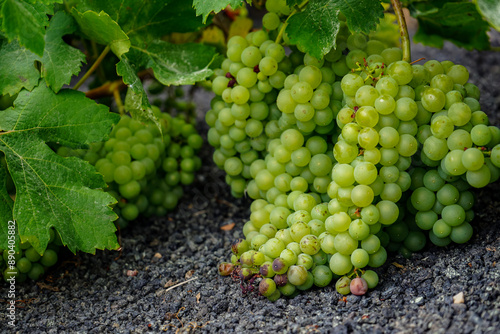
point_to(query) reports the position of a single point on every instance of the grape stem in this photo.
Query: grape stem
(108, 88)
(116, 93)
(403, 29)
(92, 68)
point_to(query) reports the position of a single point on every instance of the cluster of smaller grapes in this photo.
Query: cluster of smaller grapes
(145, 169)
(28, 263)
(244, 113)
(365, 154)
(254, 86)
(294, 172)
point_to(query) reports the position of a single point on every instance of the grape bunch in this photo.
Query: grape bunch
(144, 169)
(244, 114)
(361, 153)
(28, 263)
(252, 88)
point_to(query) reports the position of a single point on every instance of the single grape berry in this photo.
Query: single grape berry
(358, 286)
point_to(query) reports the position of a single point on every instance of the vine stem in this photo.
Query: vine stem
(116, 93)
(108, 88)
(92, 68)
(403, 29)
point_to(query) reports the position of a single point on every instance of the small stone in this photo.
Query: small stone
(156, 257)
(458, 298)
(419, 300)
(131, 272)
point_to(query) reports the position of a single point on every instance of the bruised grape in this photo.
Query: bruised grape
(246, 273)
(267, 287)
(226, 269)
(343, 285)
(281, 280)
(358, 286)
(239, 246)
(279, 266)
(266, 269)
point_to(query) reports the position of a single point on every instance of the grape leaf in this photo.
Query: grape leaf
(143, 21)
(60, 60)
(291, 3)
(361, 15)
(491, 11)
(136, 100)
(315, 28)
(26, 22)
(205, 7)
(458, 22)
(102, 29)
(52, 191)
(17, 68)
(175, 64)
(6, 204)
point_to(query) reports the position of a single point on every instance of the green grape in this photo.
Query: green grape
(462, 233)
(23, 265)
(378, 259)
(130, 190)
(400, 71)
(442, 242)
(122, 174)
(343, 285)
(371, 278)
(433, 99)
(48, 259)
(340, 264)
(350, 84)
(415, 241)
(32, 255)
(360, 258)
(479, 178)
(441, 229)
(309, 244)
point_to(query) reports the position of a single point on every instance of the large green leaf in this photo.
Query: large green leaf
(143, 21)
(101, 28)
(26, 22)
(60, 60)
(52, 191)
(178, 64)
(458, 22)
(205, 7)
(361, 15)
(17, 68)
(491, 11)
(315, 29)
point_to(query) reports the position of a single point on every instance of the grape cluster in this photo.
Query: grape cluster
(145, 169)
(28, 263)
(361, 153)
(244, 113)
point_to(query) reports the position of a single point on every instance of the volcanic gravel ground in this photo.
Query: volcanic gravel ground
(95, 294)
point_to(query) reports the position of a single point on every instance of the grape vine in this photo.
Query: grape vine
(318, 116)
